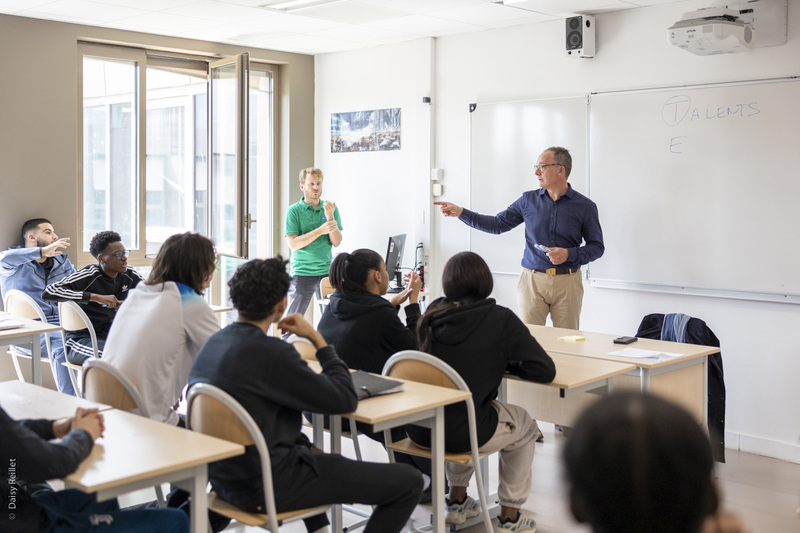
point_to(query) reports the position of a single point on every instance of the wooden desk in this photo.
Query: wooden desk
(560, 401)
(138, 452)
(28, 334)
(26, 400)
(418, 403)
(683, 379)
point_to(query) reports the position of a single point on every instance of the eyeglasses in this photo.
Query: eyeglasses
(120, 254)
(541, 167)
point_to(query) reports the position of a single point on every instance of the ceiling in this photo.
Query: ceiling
(337, 26)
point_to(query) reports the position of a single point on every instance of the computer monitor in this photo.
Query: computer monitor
(394, 254)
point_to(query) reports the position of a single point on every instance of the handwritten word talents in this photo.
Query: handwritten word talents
(677, 108)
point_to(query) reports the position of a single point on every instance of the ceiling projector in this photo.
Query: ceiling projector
(710, 31)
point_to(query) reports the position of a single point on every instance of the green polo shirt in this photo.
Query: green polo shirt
(314, 259)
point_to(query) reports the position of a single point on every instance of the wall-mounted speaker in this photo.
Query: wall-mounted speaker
(580, 36)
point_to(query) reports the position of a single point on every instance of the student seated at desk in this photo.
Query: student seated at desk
(636, 463)
(366, 331)
(42, 259)
(164, 322)
(99, 289)
(481, 341)
(269, 379)
(28, 458)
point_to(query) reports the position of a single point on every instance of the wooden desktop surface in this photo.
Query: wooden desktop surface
(135, 448)
(598, 345)
(29, 327)
(26, 400)
(414, 398)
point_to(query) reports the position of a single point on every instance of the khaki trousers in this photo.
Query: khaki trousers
(540, 294)
(514, 437)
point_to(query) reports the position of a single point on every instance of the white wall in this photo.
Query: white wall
(759, 340)
(378, 193)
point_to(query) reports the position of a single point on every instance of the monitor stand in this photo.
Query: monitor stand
(398, 281)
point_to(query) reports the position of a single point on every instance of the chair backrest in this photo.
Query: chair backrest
(304, 347)
(325, 287)
(72, 318)
(214, 412)
(104, 383)
(20, 304)
(422, 367)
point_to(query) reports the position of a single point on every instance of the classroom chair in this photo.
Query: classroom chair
(325, 289)
(212, 411)
(72, 318)
(19, 304)
(103, 383)
(413, 365)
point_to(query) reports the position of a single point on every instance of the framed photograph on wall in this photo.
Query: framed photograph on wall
(376, 130)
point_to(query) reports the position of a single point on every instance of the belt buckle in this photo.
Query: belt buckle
(550, 271)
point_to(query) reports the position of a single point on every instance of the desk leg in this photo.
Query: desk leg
(199, 507)
(337, 523)
(705, 392)
(437, 469)
(644, 376)
(36, 360)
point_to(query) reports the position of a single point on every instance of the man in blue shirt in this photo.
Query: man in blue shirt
(562, 232)
(42, 260)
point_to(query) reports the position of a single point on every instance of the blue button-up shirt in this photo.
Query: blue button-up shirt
(565, 223)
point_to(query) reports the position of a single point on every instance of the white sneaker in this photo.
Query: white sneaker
(458, 513)
(523, 523)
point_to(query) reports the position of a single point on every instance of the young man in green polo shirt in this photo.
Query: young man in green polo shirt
(312, 226)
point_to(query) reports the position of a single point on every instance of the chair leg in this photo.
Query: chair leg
(162, 503)
(354, 437)
(487, 517)
(73, 377)
(15, 359)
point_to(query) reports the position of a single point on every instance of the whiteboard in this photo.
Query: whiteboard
(698, 187)
(507, 138)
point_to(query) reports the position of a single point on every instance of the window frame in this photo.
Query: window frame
(139, 56)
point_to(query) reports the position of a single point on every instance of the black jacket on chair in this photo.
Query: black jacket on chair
(697, 332)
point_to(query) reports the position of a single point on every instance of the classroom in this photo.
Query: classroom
(380, 194)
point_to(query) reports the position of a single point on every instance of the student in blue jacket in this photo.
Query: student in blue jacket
(40, 261)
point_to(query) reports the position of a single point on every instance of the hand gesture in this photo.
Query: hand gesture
(329, 227)
(329, 208)
(55, 248)
(106, 300)
(299, 326)
(558, 255)
(90, 420)
(449, 210)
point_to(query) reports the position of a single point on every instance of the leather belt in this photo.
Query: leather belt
(557, 271)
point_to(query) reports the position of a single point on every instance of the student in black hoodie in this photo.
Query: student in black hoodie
(362, 324)
(366, 331)
(482, 341)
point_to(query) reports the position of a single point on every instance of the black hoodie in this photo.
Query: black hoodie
(366, 330)
(482, 341)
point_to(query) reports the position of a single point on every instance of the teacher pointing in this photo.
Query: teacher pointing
(562, 232)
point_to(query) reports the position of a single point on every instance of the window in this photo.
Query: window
(146, 138)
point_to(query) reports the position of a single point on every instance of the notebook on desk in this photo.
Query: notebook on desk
(9, 323)
(368, 385)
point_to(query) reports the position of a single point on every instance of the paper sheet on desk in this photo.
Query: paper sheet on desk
(9, 323)
(638, 353)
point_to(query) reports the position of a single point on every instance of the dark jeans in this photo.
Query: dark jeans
(72, 511)
(423, 464)
(393, 488)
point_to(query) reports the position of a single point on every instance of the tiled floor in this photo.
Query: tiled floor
(764, 491)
